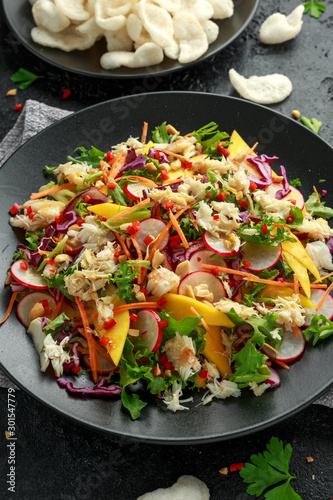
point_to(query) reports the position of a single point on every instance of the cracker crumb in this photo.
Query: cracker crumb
(309, 459)
(12, 92)
(224, 471)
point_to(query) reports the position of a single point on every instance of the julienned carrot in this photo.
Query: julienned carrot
(55, 189)
(322, 300)
(136, 305)
(282, 364)
(144, 132)
(57, 311)
(92, 347)
(144, 180)
(123, 245)
(177, 228)
(116, 165)
(252, 277)
(165, 230)
(206, 327)
(274, 350)
(322, 278)
(10, 307)
(98, 348)
(130, 210)
(251, 150)
(176, 155)
(88, 335)
(193, 220)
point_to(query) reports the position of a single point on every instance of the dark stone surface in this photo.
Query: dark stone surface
(58, 460)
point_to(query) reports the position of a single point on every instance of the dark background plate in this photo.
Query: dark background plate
(303, 154)
(19, 18)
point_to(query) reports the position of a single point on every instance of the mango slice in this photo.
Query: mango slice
(238, 145)
(275, 291)
(214, 350)
(300, 270)
(296, 249)
(108, 210)
(179, 306)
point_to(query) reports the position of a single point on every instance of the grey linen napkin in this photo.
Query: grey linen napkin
(35, 117)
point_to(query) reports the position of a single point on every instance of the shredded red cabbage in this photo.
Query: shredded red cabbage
(97, 390)
(286, 186)
(95, 195)
(329, 243)
(162, 156)
(259, 163)
(138, 162)
(68, 220)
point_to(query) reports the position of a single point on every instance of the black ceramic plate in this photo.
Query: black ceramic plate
(303, 154)
(20, 20)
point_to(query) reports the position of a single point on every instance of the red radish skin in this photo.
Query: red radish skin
(197, 278)
(151, 227)
(106, 366)
(136, 190)
(204, 257)
(261, 258)
(294, 194)
(150, 327)
(290, 349)
(28, 277)
(28, 301)
(216, 245)
(326, 309)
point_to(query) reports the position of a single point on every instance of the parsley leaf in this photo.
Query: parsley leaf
(160, 134)
(130, 372)
(249, 366)
(295, 182)
(209, 136)
(316, 8)
(318, 208)
(123, 279)
(190, 232)
(320, 326)
(57, 324)
(312, 123)
(269, 468)
(93, 157)
(262, 237)
(25, 77)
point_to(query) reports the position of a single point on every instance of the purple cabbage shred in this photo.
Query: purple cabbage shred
(97, 390)
(162, 155)
(286, 186)
(68, 220)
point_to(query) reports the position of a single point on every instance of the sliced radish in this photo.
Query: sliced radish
(106, 366)
(135, 191)
(294, 194)
(217, 245)
(326, 309)
(261, 258)
(28, 301)
(291, 347)
(150, 229)
(27, 276)
(151, 328)
(204, 257)
(197, 278)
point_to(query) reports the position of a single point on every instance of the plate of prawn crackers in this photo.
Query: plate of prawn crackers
(168, 270)
(127, 38)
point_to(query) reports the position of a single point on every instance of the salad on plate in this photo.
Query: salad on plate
(177, 264)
